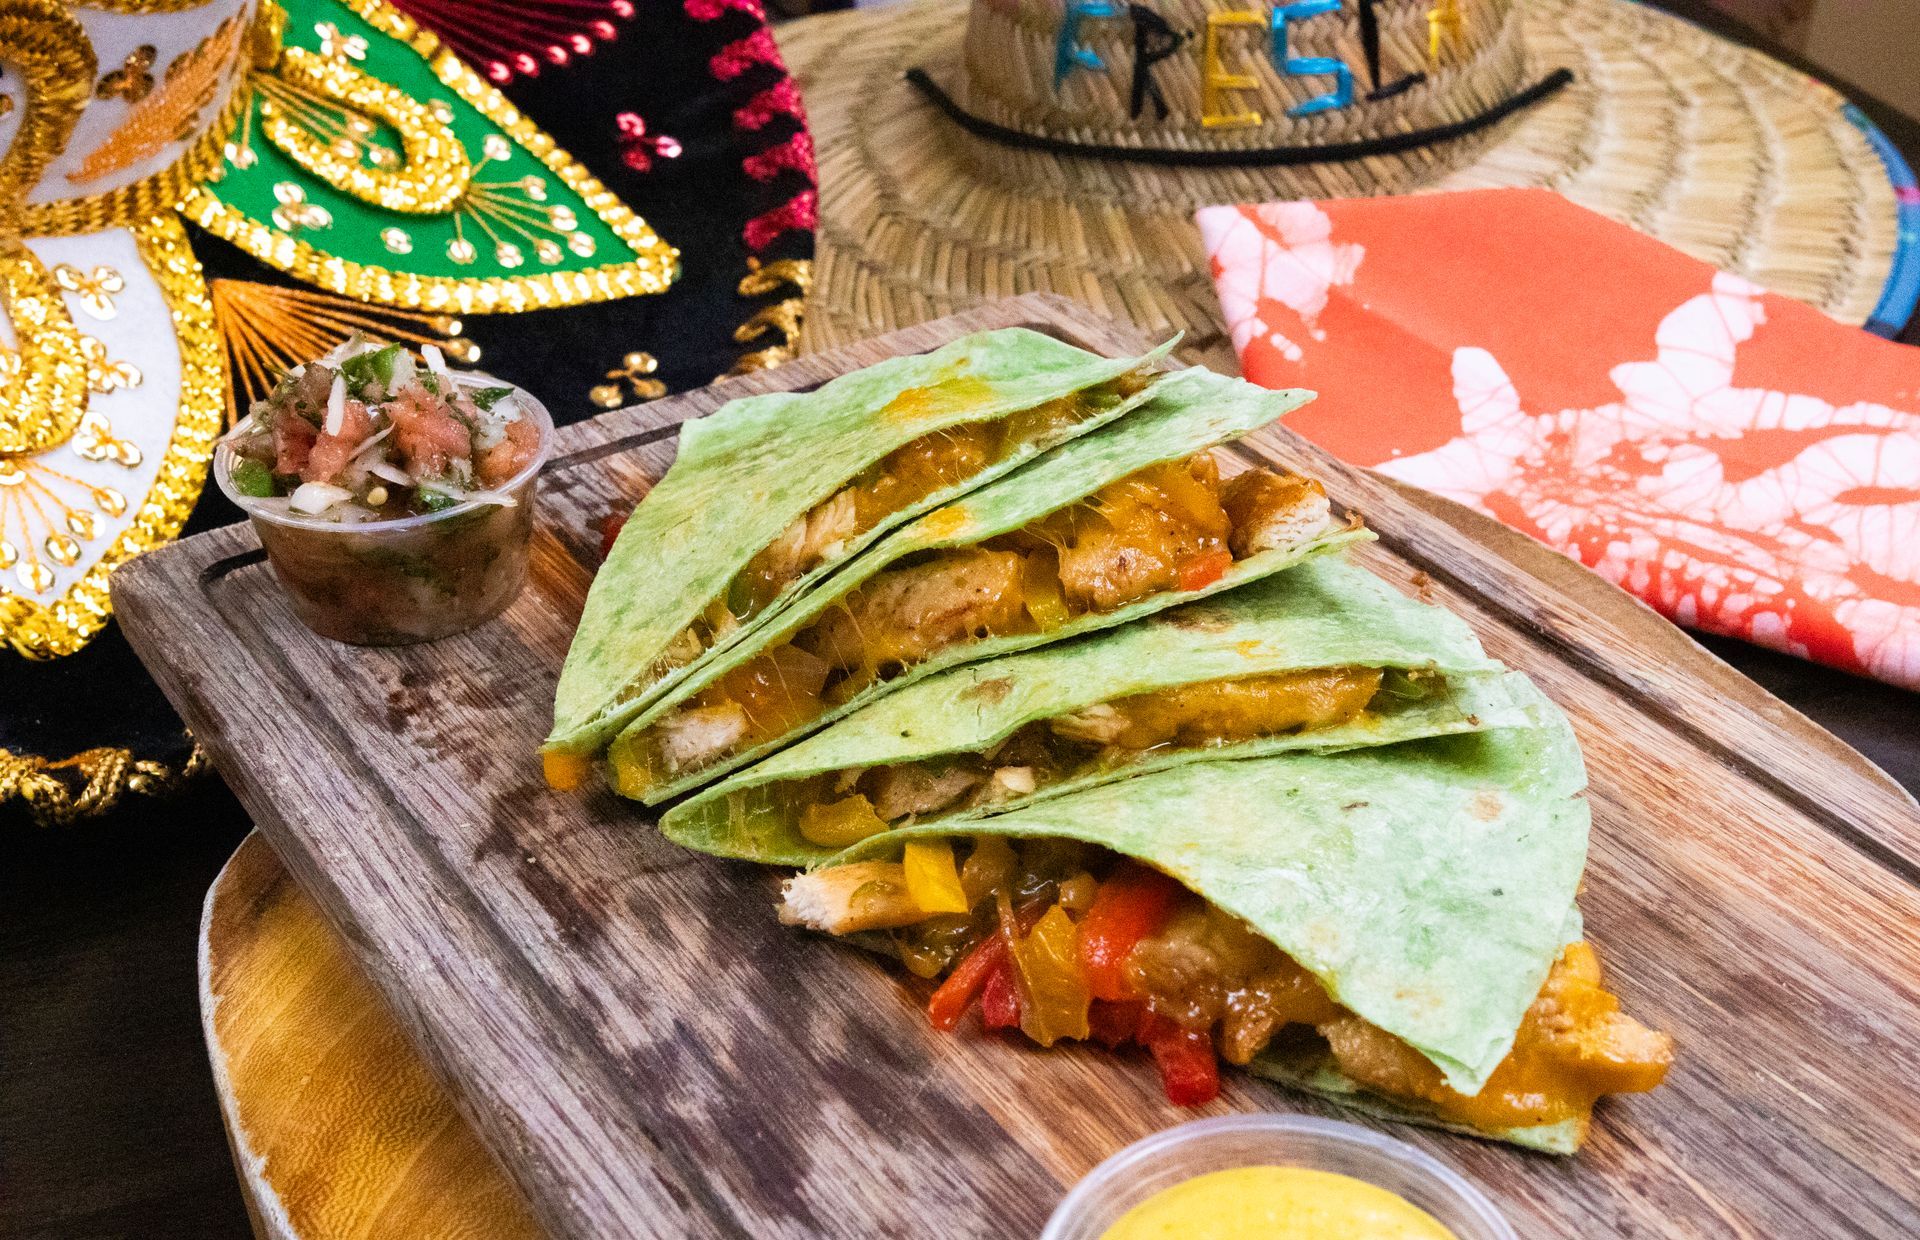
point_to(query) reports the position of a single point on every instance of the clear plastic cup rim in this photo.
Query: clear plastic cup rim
(1123, 1167)
(223, 473)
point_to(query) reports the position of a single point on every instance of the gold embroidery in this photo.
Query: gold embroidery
(509, 206)
(782, 318)
(323, 112)
(172, 112)
(46, 390)
(66, 624)
(59, 791)
(96, 289)
(764, 278)
(133, 80)
(652, 269)
(268, 329)
(634, 369)
(51, 51)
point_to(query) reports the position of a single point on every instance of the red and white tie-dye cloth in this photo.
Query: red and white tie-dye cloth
(1738, 460)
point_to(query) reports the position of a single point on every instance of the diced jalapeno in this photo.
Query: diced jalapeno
(252, 478)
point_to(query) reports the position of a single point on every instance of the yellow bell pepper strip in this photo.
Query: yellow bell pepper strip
(933, 880)
(565, 772)
(1053, 991)
(842, 823)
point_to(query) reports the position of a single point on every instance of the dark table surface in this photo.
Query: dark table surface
(108, 1121)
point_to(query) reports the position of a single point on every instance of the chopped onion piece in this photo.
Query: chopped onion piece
(485, 497)
(373, 439)
(314, 498)
(436, 361)
(336, 406)
(389, 472)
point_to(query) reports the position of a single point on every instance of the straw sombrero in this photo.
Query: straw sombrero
(1031, 151)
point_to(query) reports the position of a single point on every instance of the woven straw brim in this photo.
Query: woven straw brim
(1718, 150)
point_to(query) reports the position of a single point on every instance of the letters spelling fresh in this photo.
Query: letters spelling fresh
(1155, 40)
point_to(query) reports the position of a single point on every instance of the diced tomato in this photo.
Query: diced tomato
(1129, 906)
(293, 438)
(511, 455)
(610, 529)
(955, 995)
(1114, 1023)
(1189, 1067)
(1200, 571)
(1000, 1000)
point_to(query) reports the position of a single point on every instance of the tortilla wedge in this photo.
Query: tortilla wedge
(1427, 886)
(1324, 614)
(748, 472)
(1188, 412)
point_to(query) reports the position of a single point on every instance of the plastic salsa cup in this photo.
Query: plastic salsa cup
(408, 579)
(1192, 1149)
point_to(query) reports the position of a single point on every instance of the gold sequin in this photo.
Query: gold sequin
(96, 288)
(295, 212)
(335, 45)
(63, 550)
(104, 374)
(634, 370)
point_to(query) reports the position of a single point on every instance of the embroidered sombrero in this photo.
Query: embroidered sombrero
(334, 140)
(1063, 145)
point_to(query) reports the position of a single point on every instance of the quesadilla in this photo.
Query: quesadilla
(1112, 526)
(1394, 926)
(772, 492)
(1323, 656)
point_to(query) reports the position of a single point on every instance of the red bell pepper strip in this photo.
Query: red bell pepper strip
(955, 995)
(1000, 1001)
(1202, 570)
(1189, 1068)
(1114, 1023)
(1132, 904)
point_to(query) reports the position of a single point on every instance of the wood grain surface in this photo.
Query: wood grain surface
(649, 1054)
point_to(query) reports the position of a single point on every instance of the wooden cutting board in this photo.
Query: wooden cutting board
(649, 1054)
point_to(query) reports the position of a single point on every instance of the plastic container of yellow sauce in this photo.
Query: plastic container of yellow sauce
(1274, 1177)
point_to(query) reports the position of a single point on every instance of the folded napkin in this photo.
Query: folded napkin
(1740, 461)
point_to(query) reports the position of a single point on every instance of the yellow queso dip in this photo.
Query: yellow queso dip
(1276, 1203)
